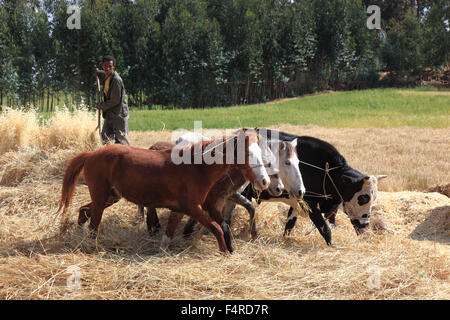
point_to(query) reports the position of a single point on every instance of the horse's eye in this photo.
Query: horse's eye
(288, 163)
(363, 199)
(268, 165)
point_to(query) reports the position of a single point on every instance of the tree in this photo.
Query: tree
(22, 23)
(437, 34)
(9, 78)
(138, 40)
(191, 54)
(402, 53)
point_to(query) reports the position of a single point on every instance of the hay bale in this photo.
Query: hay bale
(421, 216)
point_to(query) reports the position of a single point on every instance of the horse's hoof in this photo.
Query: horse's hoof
(153, 231)
(93, 235)
(187, 235)
(164, 245)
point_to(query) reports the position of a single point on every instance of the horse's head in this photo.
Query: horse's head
(358, 197)
(289, 168)
(276, 186)
(253, 167)
(269, 158)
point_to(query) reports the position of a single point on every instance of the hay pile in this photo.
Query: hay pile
(125, 263)
(417, 215)
(31, 152)
(407, 260)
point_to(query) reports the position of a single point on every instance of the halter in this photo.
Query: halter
(326, 174)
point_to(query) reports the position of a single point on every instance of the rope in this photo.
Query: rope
(231, 180)
(327, 173)
(258, 194)
(317, 195)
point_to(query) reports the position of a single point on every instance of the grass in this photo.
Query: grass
(383, 108)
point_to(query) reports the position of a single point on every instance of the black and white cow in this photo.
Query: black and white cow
(329, 182)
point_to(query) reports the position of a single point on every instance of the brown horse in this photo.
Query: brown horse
(224, 189)
(152, 178)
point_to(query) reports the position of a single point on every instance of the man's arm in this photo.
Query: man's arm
(115, 96)
(100, 74)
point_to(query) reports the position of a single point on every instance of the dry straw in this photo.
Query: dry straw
(38, 152)
(18, 129)
(408, 259)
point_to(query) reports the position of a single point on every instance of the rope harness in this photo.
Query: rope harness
(326, 174)
(315, 194)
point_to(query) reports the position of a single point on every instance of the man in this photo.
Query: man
(114, 106)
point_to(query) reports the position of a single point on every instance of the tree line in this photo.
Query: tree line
(200, 53)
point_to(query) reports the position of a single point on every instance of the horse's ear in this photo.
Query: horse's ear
(282, 146)
(294, 143)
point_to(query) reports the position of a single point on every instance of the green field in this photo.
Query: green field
(417, 107)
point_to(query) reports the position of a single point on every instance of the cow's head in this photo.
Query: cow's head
(359, 195)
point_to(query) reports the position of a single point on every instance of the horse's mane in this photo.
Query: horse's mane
(206, 143)
(192, 147)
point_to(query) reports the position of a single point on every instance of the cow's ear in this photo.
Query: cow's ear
(347, 179)
(381, 176)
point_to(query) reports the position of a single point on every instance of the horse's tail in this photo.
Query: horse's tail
(70, 180)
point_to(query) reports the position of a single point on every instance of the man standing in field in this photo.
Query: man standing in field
(114, 105)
